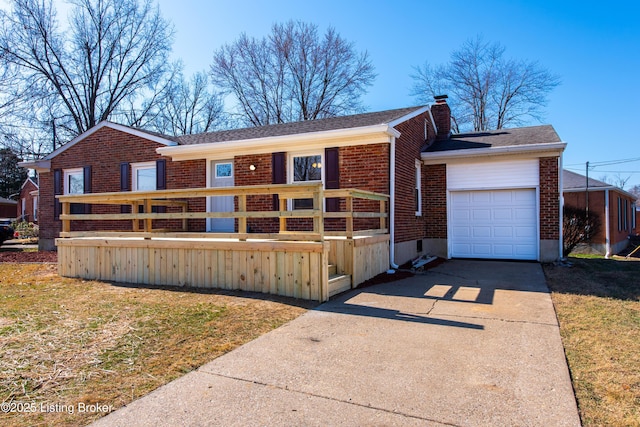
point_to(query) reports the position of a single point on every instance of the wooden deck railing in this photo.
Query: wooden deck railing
(177, 198)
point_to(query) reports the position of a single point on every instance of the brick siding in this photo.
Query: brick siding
(104, 151)
(549, 199)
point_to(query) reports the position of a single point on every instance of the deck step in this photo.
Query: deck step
(339, 283)
(333, 270)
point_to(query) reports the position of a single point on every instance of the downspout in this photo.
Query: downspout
(392, 204)
(607, 233)
(561, 185)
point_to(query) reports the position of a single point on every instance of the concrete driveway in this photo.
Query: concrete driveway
(469, 343)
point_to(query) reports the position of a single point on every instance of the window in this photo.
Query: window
(143, 176)
(418, 189)
(305, 168)
(224, 170)
(35, 208)
(73, 181)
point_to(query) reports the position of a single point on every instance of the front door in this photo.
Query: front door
(222, 176)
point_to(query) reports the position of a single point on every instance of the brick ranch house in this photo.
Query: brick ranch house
(28, 201)
(615, 208)
(477, 195)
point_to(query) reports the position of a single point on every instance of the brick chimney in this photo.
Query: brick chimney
(442, 116)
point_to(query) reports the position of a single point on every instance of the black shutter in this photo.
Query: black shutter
(279, 175)
(161, 181)
(332, 177)
(124, 184)
(57, 190)
(86, 175)
(161, 174)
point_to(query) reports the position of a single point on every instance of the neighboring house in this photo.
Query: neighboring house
(615, 208)
(7, 208)
(28, 201)
(479, 195)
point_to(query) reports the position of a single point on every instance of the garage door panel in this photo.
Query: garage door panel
(494, 224)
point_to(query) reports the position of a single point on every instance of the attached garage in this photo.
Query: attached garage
(493, 210)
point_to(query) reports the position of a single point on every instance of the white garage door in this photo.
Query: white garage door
(499, 224)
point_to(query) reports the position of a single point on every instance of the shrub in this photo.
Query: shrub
(578, 226)
(25, 230)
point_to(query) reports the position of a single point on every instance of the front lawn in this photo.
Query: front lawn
(598, 306)
(66, 344)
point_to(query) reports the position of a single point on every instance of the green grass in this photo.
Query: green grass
(598, 306)
(68, 341)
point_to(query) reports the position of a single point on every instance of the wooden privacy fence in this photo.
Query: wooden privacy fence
(143, 202)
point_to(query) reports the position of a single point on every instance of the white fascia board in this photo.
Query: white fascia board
(410, 116)
(114, 126)
(538, 150)
(38, 165)
(314, 140)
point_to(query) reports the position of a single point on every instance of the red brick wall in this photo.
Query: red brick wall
(104, 151)
(260, 176)
(408, 148)
(549, 199)
(435, 200)
(597, 206)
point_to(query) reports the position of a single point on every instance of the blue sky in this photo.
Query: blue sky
(593, 46)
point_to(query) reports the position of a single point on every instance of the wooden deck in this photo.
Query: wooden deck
(310, 264)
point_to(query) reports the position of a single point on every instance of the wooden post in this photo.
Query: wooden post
(134, 213)
(185, 209)
(148, 223)
(242, 221)
(66, 210)
(382, 219)
(318, 216)
(349, 219)
(282, 207)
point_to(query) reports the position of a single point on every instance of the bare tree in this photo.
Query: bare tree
(486, 89)
(74, 78)
(617, 180)
(635, 190)
(293, 74)
(189, 107)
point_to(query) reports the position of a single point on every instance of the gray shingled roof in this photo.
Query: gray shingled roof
(6, 201)
(497, 138)
(308, 126)
(572, 180)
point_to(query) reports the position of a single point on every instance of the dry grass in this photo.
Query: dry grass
(598, 306)
(70, 341)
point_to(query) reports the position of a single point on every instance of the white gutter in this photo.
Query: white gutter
(334, 138)
(435, 157)
(607, 233)
(392, 204)
(38, 165)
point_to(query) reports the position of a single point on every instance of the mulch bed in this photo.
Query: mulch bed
(22, 256)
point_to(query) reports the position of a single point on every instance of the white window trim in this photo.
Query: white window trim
(69, 172)
(290, 180)
(135, 167)
(304, 154)
(418, 179)
(35, 208)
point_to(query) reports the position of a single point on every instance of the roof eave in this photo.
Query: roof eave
(43, 165)
(593, 189)
(439, 156)
(336, 138)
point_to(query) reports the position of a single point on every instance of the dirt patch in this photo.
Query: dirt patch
(24, 256)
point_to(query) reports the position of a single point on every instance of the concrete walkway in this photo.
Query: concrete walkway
(469, 343)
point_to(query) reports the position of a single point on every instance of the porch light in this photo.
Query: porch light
(252, 167)
(316, 165)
